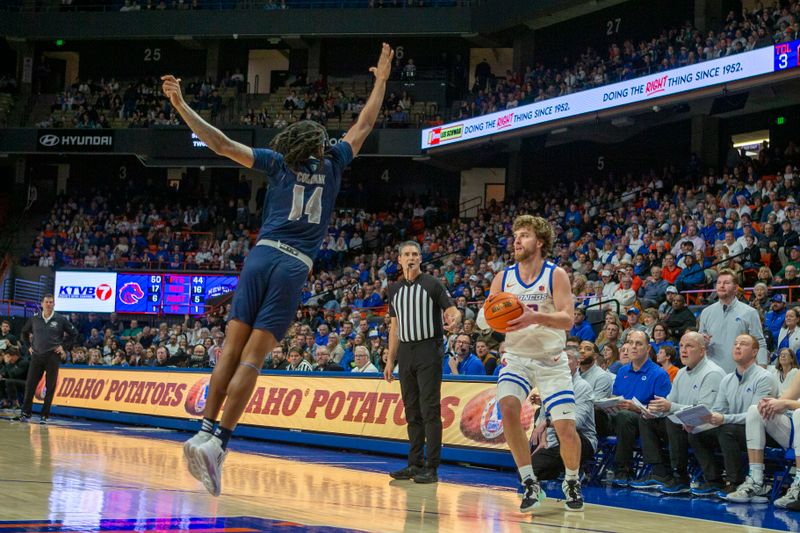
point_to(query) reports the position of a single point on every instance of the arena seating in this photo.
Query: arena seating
(670, 48)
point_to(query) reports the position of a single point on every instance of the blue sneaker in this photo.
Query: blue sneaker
(621, 480)
(708, 489)
(676, 486)
(651, 483)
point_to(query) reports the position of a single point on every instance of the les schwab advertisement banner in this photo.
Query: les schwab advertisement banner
(343, 406)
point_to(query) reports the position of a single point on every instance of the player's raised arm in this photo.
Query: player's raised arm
(216, 140)
(366, 119)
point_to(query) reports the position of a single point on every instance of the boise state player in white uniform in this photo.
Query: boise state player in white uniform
(534, 356)
(303, 184)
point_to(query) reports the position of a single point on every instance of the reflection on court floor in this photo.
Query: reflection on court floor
(62, 478)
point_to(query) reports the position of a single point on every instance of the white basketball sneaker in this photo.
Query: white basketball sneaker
(188, 452)
(210, 456)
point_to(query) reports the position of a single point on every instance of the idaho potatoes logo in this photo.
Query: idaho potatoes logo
(196, 397)
(41, 390)
(482, 422)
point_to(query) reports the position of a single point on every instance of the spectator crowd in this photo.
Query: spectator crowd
(138, 103)
(672, 48)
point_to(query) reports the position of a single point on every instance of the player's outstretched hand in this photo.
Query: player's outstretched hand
(172, 89)
(384, 67)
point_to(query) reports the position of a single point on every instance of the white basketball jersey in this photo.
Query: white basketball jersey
(535, 341)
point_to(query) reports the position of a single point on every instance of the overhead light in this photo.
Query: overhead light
(559, 131)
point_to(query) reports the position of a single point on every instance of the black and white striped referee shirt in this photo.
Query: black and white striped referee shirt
(418, 306)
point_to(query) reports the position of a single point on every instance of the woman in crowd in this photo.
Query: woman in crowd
(759, 298)
(785, 369)
(611, 358)
(660, 337)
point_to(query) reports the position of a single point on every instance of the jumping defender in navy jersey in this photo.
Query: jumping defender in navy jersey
(303, 183)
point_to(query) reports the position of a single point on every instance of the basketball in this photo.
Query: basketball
(500, 308)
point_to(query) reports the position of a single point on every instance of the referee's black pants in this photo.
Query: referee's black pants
(420, 368)
(48, 364)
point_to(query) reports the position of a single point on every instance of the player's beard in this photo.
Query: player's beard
(523, 255)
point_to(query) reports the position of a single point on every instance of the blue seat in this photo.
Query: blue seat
(603, 457)
(785, 460)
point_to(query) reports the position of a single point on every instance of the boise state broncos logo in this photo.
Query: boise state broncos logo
(131, 293)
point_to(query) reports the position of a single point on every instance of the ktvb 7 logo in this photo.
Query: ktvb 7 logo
(86, 292)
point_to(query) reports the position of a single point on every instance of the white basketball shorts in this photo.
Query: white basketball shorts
(551, 376)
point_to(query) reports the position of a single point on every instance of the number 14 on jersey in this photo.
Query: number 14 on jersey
(313, 208)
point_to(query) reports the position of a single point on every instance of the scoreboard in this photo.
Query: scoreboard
(786, 55)
(172, 294)
(140, 292)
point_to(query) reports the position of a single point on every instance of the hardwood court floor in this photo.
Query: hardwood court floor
(78, 479)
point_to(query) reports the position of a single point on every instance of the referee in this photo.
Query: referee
(416, 342)
(47, 346)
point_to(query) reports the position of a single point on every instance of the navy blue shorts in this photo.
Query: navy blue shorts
(269, 290)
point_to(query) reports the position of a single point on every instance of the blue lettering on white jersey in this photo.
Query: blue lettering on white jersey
(299, 203)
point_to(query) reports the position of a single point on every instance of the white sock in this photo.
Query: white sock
(526, 472)
(757, 472)
(571, 474)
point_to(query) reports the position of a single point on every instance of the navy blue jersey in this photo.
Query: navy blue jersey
(299, 203)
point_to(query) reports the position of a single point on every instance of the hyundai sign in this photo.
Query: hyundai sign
(76, 140)
(709, 73)
(85, 292)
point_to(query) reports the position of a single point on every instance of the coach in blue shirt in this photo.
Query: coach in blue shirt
(641, 379)
(581, 328)
(464, 362)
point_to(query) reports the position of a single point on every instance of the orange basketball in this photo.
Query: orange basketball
(500, 308)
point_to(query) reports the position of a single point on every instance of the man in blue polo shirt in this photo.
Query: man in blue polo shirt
(641, 379)
(581, 328)
(464, 362)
